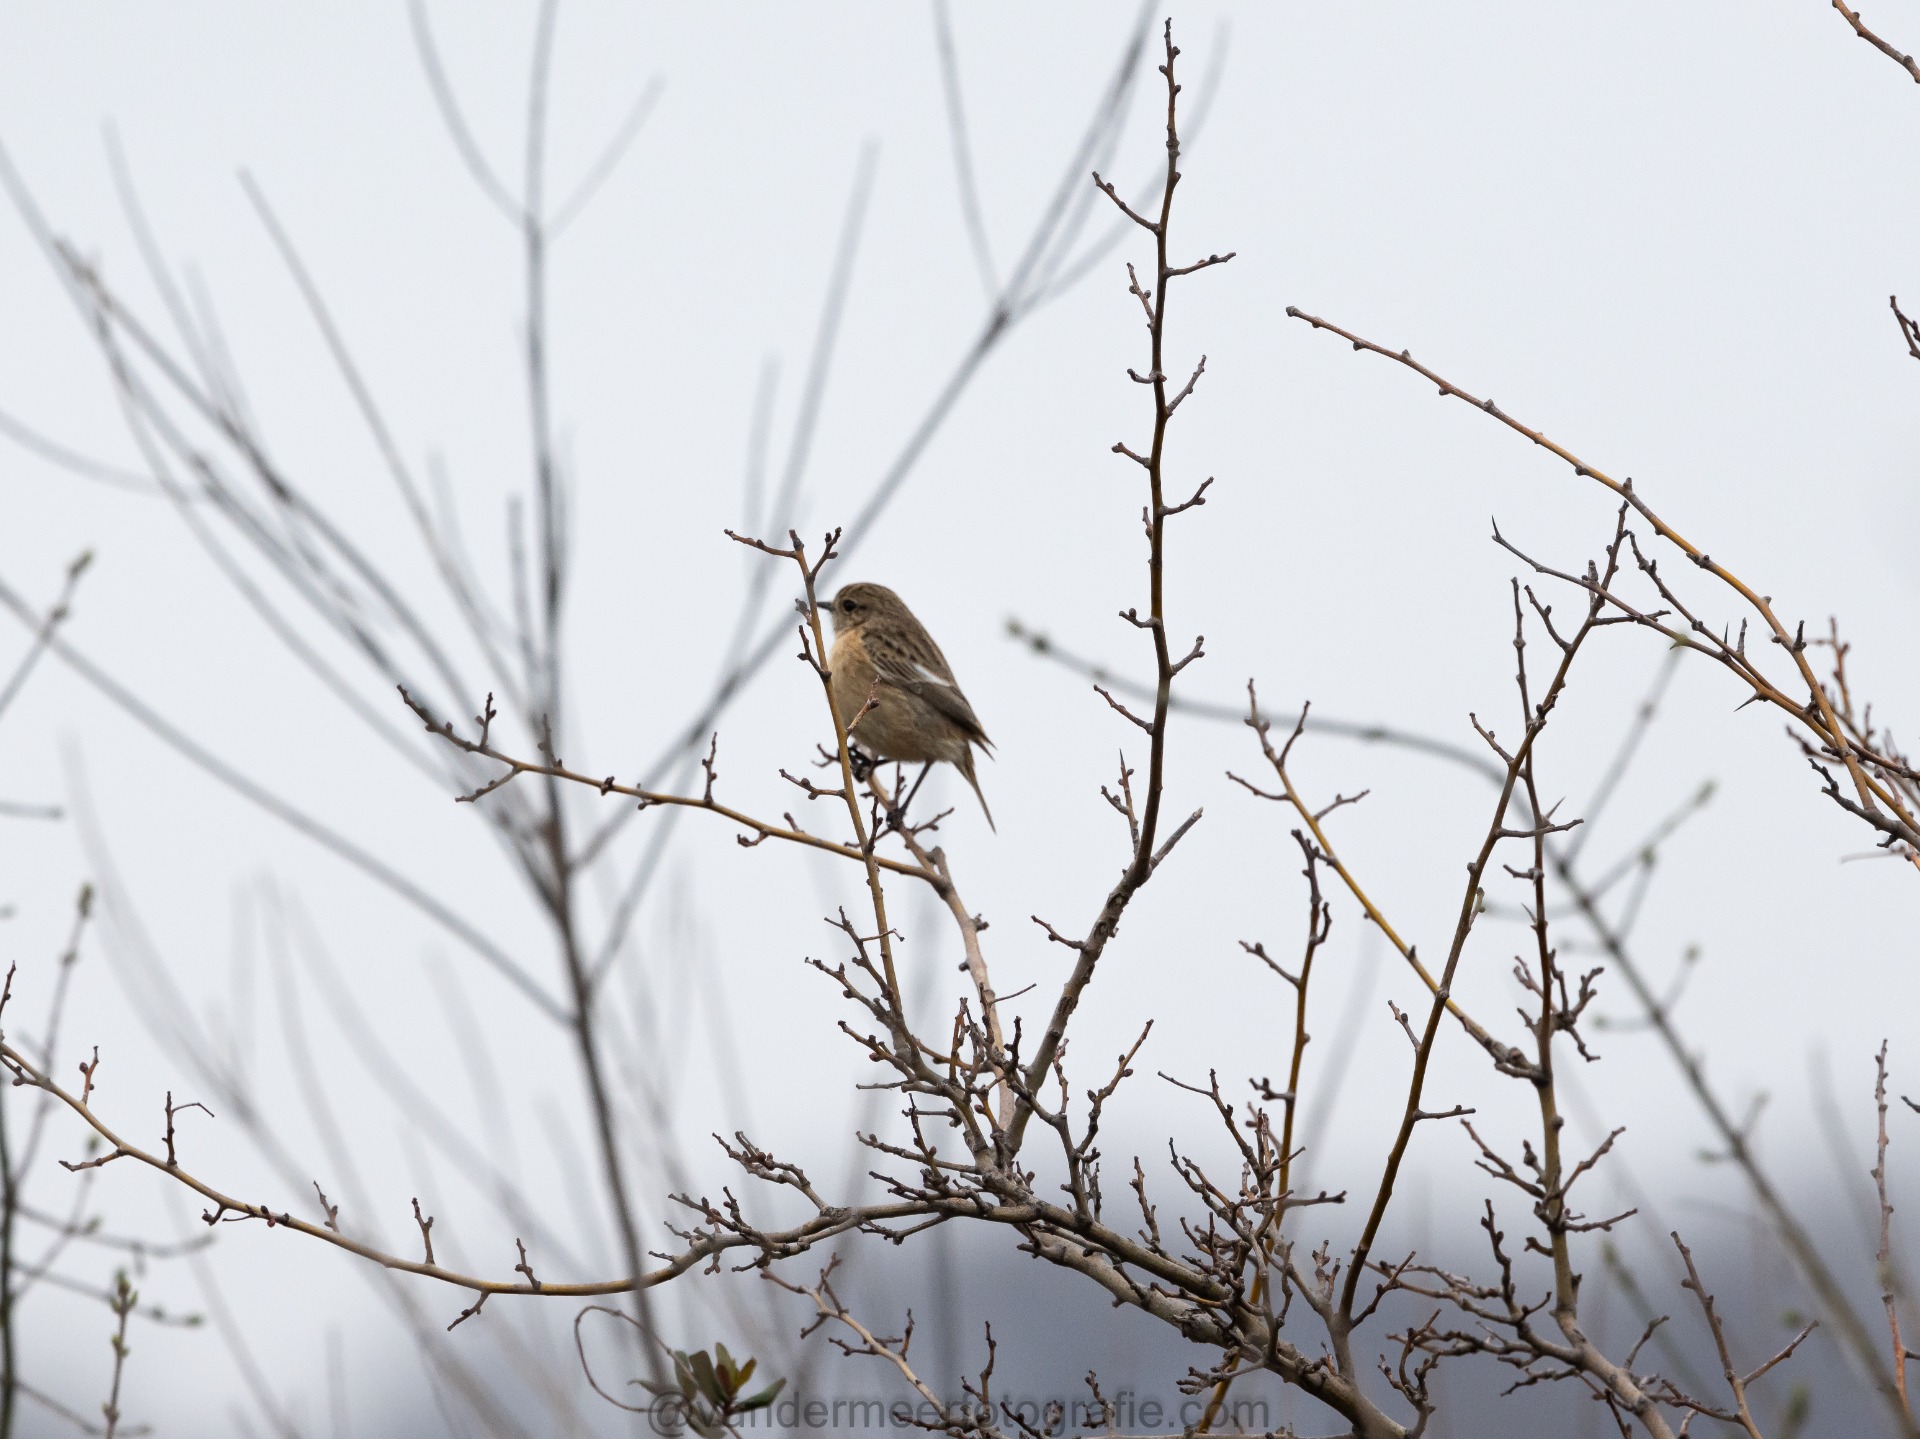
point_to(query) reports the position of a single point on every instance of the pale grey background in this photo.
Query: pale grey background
(1665, 234)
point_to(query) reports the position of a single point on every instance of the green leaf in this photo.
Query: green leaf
(709, 1381)
(760, 1400)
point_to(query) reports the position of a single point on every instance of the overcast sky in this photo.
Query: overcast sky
(1665, 235)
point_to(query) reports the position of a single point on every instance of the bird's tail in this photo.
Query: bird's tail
(966, 769)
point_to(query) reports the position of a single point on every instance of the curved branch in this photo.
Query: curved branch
(1817, 715)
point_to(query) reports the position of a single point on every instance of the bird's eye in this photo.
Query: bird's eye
(847, 605)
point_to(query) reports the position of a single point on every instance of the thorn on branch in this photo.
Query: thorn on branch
(1179, 834)
(1797, 643)
(1123, 802)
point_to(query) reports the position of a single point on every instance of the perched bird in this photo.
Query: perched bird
(880, 651)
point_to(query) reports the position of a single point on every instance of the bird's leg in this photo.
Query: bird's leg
(896, 816)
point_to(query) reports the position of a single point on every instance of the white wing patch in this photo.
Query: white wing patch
(930, 677)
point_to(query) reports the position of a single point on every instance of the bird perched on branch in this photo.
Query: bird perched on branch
(918, 715)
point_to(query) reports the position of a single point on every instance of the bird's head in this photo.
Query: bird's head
(858, 603)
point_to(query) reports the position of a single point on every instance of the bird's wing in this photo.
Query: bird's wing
(928, 678)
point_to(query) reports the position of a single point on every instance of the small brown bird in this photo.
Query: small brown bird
(881, 651)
